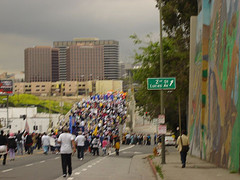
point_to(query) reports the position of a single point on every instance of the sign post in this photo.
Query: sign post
(162, 83)
(162, 129)
(161, 119)
(6, 89)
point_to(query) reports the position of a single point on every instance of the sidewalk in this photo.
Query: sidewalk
(139, 168)
(196, 169)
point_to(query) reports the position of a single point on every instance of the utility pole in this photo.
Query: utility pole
(161, 75)
(7, 113)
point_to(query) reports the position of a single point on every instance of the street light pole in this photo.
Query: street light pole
(7, 113)
(161, 75)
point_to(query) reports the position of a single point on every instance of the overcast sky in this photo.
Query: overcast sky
(28, 23)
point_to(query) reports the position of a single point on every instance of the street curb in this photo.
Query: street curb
(153, 169)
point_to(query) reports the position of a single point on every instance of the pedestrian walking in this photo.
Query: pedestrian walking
(3, 147)
(155, 138)
(117, 145)
(67, 148)
(19, 138)
(29, 143)
(45, 143)
(183, 147)
(39, 141)
(95, 145)
(148, 139)
(12, 145)
(80, 140)
(105, 144)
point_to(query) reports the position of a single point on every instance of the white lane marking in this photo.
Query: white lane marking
(127, 148)
(84, 169)
(6, 170)
(122, 150)
(137, 152)
(29, 165)
(70, 178)
(89, 166)
(98, 162)
(41, 161)
(77, 173)
(129, 152)
(56, 157)
(93, 164)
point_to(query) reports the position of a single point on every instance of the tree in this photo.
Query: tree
(176, 23)
(148, 57)
(176, 18)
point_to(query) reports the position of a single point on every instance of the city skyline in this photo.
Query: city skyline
(41, 23)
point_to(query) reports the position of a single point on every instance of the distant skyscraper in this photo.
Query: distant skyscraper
(110, 49)
(41, 64)
(85, 62)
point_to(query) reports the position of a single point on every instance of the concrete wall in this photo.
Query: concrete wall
(104, 86)
(214, 100)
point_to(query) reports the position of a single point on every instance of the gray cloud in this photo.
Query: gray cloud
(26, 23)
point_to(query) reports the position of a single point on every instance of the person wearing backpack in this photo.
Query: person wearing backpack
(183, 147)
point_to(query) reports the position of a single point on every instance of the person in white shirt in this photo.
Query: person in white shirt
(183, 147)
(80, 140)
(45, 143)
(82, 124)
(67, 148)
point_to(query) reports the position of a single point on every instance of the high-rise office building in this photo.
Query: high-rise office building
(85, 62)
(111, 51)
(41, 64)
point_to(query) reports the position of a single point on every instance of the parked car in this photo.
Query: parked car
(169, 141)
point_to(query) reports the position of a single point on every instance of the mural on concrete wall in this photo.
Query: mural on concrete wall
(214, 121)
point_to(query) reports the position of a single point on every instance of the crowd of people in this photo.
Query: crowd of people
(140, 139)
(94, 125)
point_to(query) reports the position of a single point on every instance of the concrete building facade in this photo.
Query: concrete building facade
(67, 88)
(85, 63)
(41, 64)
(110, 54)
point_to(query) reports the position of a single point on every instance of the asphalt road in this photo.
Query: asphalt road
(48, 167)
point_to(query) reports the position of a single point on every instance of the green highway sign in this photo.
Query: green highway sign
(164, 83)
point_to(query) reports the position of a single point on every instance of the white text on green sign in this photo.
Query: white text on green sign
(166, 83)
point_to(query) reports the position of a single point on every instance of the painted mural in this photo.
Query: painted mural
(214, 110)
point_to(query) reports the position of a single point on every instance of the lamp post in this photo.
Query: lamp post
(161, 75)
(7, 112)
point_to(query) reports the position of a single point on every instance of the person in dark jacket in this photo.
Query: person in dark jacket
(29, 143)
(11, 143)
(3, 147)
(39, 141)
(20, 142)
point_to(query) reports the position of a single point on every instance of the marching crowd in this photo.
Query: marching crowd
(93, 127)
(94, 124)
